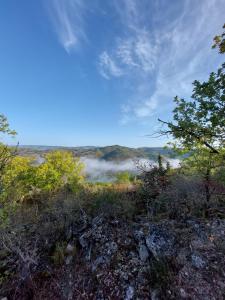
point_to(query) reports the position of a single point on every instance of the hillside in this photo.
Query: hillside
(108, 153)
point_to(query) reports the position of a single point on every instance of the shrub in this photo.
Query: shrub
(22, 178)
(124, 177)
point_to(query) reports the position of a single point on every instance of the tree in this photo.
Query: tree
(219, 42)
(60, 168)
(201, 120)
(204, 163)
(160, 164)
(123, 177)
(6, 153)
(198, 124)
(23, 178)
(18, 180)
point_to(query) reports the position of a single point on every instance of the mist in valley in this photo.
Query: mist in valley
(105, 171)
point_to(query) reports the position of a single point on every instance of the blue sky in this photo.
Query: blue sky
(101, 72)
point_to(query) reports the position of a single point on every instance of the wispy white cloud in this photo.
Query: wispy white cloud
(172, 54)
(108, 67)
(67, 18)
(134, 54)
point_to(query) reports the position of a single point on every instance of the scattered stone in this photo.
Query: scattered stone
(155, 295)
(160, 242)
(197, 261)
(101, 260)
(129, 293)
(183, 293)
(143, 253)
(69, 259)
(69, 249)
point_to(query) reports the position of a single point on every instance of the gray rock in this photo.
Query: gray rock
(111, 248)
(69, 249)
(160, 242)
(143, 252)
(69, 259)
(129, 293)
(97, 221)
(155, 295)
(101, 260)
(197, 261)
(85, 239)
(183, 294)
(139, 235)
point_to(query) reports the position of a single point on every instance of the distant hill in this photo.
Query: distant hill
(108, 153)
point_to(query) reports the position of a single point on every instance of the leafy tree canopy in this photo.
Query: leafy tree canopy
(219, 41)
(4, 126)
(201, 120)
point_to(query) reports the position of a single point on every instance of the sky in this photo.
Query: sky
(101, 72)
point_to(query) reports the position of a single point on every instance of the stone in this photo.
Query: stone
(69, 259)
(160, 242)
(111, 248)
(85, 239)
(129, 293)
(101, 260)
(197, 261)
(155, 295)
(143, 252)
(69, 249)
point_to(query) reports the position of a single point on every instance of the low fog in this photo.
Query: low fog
(101, 170)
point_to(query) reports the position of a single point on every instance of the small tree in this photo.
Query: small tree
(5, 152)
(60, 168)
(219, 42)
(204, 163)
(123, 177)
(201, 120)
(198, 124)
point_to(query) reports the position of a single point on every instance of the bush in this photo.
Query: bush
(23, 179)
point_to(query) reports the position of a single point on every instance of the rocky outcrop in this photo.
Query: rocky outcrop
(145, 260)
(116, 259)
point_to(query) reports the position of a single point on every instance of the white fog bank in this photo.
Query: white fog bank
(97, 169)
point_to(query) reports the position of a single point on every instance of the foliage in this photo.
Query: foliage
(219, 42)
(60, 168)
(6, 153)
(22, 178)
(124, 177)
(18, 179)
(201, 120)
(4, 126)
(58, 256)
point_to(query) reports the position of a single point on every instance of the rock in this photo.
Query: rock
(85, 239)
(155, 295)
(160, 242)
(69, 259)
(143, 252)
(129, 293)
(139, 235)
(111, 248)
(197, 261)
(183, 293)
(101, 260)
(69, 249)
(97, 221)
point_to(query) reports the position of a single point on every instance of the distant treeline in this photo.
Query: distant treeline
(108, 153)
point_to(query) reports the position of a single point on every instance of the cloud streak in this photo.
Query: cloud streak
(67, 19)
(162, 49)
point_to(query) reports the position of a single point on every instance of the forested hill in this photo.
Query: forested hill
(108, 153)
